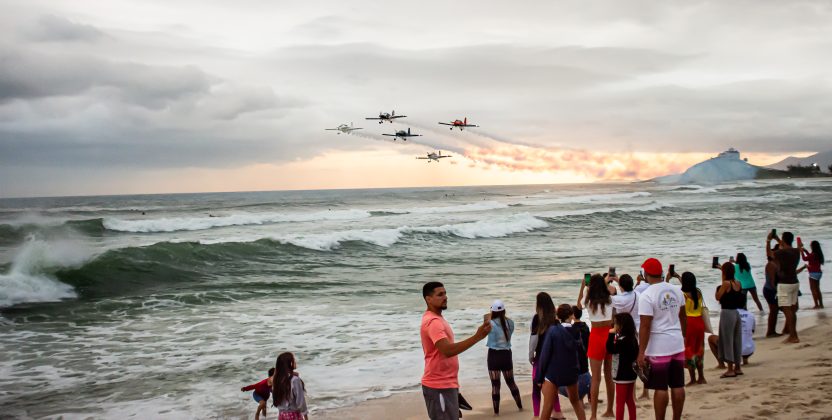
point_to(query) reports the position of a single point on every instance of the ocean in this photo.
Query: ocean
(163, 306)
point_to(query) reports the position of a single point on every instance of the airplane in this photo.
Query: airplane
(383, 116)
(459, 124)
(344, 128)
(401, 134)
(434, 156)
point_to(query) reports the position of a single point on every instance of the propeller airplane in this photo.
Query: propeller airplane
(434, 156)
(459, 124)
(344, 128)
(383, 116)
(401, 134)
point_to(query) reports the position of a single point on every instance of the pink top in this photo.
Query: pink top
(440, 372)
(812, 261)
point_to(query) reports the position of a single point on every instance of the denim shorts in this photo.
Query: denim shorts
(815, 276)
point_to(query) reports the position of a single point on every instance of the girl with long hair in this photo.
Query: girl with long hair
(499, 355)
(623, 345)
(288, 389)
(730, 296)
(742, 271)
(815, 260)
(544, 318)
(695, 331)
(599, 307)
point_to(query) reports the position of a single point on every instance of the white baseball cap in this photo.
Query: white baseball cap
(498, 306)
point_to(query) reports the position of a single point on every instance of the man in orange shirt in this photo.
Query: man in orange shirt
(440, 385)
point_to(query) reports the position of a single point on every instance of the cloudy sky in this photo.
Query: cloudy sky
(129, 96)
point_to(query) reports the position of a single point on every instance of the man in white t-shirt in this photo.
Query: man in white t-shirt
(626, 301)
(662, 339)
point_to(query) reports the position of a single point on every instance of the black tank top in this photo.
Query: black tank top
(732, 299)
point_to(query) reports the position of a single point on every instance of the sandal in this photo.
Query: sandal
(725, 375)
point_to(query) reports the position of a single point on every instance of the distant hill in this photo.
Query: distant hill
(823, 159)
(728, 166)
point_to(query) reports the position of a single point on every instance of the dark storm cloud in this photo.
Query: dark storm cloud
(57, 28)
(26, 74)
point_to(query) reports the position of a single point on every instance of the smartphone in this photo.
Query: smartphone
(587, 278)
(715, 263)
(774, 232)
(672, 269)
(486, 318)
(612, 271)
(799, 242)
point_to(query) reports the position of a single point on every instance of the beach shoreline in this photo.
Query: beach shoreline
(796, 375)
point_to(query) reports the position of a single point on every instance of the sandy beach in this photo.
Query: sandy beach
(781, 381)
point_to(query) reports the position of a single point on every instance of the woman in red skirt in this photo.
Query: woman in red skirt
(695, 332)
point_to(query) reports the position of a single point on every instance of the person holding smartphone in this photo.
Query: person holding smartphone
(787, 259)
(599, 308)
(440, 381)
(815, 260)
(499, 354)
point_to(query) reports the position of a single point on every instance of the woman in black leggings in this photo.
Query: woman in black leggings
(499, 355)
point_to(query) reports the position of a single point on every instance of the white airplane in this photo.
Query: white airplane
(383, 116)
(459, 124)
(344, 128)
(434, 156)
(401, 134)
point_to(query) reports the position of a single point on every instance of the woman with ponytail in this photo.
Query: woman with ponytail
(499, 355)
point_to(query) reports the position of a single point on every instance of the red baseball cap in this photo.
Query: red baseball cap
(652, 267)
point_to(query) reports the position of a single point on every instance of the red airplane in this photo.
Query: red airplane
(459, 124)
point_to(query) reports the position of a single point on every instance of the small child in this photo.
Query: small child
(749, 326)
(624, 349)
(262, 391)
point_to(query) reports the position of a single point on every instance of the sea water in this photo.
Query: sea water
(163, 306)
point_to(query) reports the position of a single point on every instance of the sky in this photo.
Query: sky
(151, 96)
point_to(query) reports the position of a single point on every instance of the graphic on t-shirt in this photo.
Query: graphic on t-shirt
(668, 302)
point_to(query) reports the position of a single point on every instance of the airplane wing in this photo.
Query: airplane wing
(397, 116)
(372, 118)
(331, 129)
(470, 125)
(422, 158)
(446, 123)
(391, 135)
(355, 128)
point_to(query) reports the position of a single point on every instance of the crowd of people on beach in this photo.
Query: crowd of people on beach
(649, 328)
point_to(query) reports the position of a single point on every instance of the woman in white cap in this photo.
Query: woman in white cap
(499, 355)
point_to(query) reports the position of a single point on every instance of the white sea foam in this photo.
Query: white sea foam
(330, 241)
(653, 206)
(494, 228)
(200, 223)
(327, 241)
(25, 281)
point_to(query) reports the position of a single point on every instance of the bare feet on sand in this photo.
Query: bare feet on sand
(691, 383)
(791, 340)
(608, 414)
(702, 381)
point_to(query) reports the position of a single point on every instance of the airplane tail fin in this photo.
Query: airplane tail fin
(408, 131)
(393, 113)
(466, 121)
